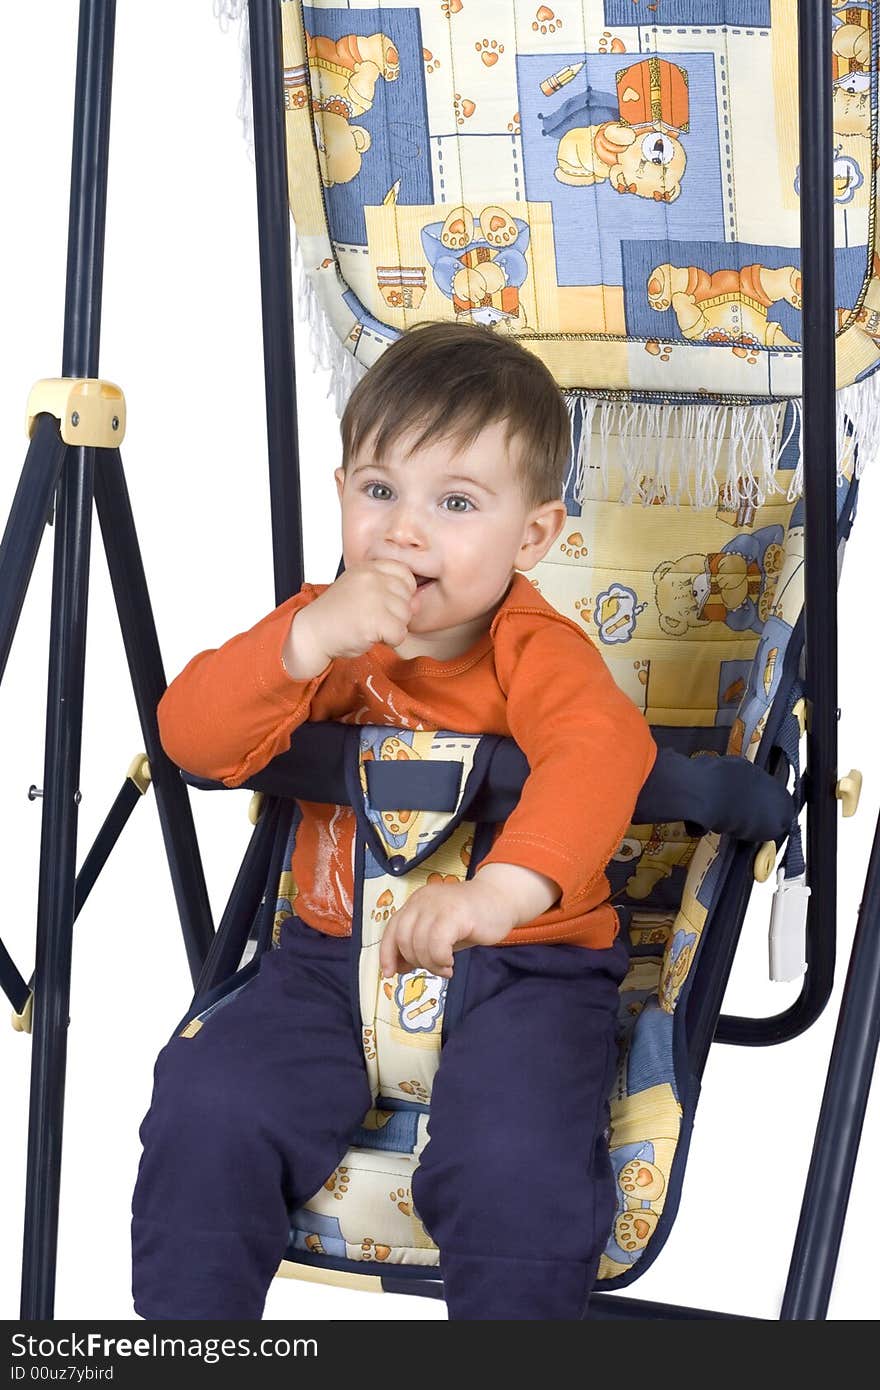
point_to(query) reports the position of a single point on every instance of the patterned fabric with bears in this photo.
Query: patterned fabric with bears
(616, 184)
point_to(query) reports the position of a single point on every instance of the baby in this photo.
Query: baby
(455, 447)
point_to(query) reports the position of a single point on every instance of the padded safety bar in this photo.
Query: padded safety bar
(727, 794)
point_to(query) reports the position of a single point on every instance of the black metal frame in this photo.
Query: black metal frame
(81, 474)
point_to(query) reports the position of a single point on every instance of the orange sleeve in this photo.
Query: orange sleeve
(232, 709)
(589, 751)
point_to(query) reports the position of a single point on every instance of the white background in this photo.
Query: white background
(181, 335)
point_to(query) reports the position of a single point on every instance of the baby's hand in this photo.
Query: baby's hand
(369, 603)
(441, 918)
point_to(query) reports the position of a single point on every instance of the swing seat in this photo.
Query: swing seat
(586, 183)
(673, 878)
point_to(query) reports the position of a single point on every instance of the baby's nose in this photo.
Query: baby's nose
(406, 527)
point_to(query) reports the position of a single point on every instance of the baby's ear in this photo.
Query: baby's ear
(541, 531)
(552, 516)
(339, 475)
(561, 518)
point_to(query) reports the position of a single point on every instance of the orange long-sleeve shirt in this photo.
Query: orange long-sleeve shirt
(534, 676)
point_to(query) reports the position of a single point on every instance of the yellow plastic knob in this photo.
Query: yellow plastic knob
(849, 789)
(765, 861)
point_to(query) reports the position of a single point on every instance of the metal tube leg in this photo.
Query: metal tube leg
(273, 220)
(819, 445)
(26, 524)
(82, 324)
(841, 1117)
(141, 643)
(56, 886)
(88, 188)
(244, 901)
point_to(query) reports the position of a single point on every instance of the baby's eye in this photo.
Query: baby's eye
(369, 491)
(457, 497)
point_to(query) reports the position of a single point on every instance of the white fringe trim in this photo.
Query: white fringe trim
(227, 12)
(706, 449)
(327, 349)
(710, 451)
(858, 430)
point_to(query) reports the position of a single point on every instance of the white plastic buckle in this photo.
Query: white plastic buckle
(788, 927)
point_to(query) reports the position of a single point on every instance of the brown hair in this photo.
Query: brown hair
(455, 379)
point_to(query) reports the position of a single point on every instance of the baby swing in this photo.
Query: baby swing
(585, 181)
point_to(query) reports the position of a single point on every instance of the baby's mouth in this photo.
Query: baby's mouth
(423, 579)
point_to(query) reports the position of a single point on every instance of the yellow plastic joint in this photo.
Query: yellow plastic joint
(22, 1022)
(765, 861)
(849, 789)
(91, 412)
(139, 772)
(255, 807)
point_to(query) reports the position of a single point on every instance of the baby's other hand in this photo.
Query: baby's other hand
(441, 918)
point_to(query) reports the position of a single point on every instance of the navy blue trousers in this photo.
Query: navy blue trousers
(252, 1114)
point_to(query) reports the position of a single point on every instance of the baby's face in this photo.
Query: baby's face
(456, 517)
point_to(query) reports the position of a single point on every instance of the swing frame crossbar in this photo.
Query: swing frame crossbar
(60, 481)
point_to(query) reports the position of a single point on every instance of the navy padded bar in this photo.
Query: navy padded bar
(727, 794)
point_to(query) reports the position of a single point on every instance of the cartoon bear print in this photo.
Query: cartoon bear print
(641, 1181)
(851, 60)
(402, 1199)
(644, 160)
(668, 848)
(726, 306)
(633, 1229)
(343, 74)
(385, 906)
(868, 314)
(676, 964)
(639, 150)
(415, 1089)
(734, 585)
(477, 260)
(371, 1249)
(338, 1181)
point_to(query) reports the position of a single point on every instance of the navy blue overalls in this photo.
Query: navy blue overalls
(251, 1114)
